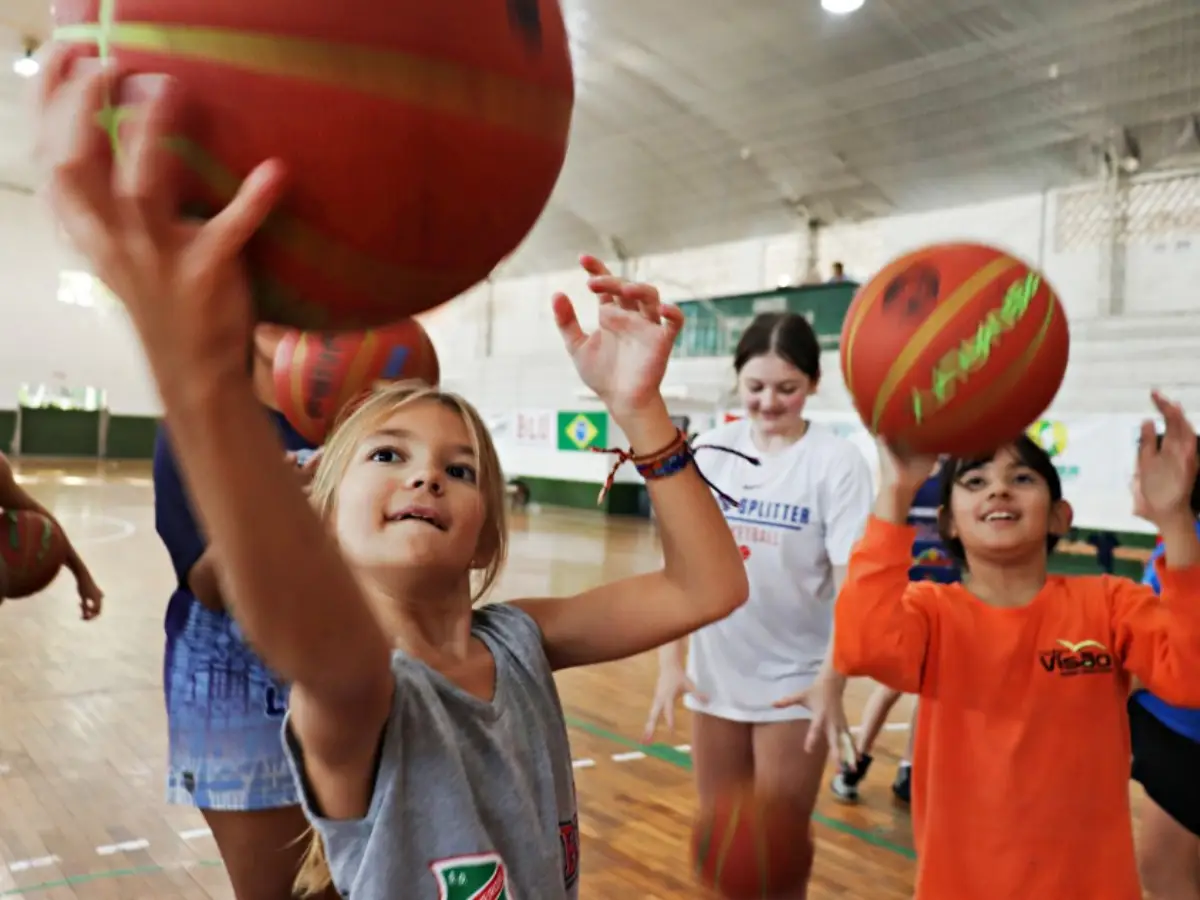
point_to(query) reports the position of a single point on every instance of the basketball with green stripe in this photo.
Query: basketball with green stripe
(954, 348)
(318, 375)
(747, 847)
(32, 551)
(422, 139)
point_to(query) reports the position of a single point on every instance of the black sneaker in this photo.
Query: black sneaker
(845, 783)
(902, 786)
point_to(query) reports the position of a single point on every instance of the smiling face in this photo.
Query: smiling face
(773, 393)
(1002, 509)
(415, 493)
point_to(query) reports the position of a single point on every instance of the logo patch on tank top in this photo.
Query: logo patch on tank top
(478, 876)
(568, 835)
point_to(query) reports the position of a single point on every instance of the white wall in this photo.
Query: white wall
(499, 346)
(46, 342)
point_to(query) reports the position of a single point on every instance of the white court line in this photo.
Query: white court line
(628, 757)
(684, 748)
(582, 763)
(123, 847)
(192, 833)
(41, 862)
(122, 528)
(888, 726)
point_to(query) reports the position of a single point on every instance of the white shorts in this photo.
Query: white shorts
(724, 708)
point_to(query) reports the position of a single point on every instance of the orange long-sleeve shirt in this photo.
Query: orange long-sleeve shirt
(1021, 759)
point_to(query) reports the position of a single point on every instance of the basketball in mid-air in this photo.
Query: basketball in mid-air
(421, 139)
(317, 374)
(32, 551)
(746, 846)
(954, 348)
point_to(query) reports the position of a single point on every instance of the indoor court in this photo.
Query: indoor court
(956, 225)
(82, 742)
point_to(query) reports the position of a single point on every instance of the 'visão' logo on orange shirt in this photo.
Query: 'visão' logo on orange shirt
(1086, 657)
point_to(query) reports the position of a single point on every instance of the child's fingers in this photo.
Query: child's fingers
(672, 317)
(800, 699)
(72, 148)
(652, 722)
(1147, 443)
(593, 266)
(224, 236)
(567, 321)
(145, 168)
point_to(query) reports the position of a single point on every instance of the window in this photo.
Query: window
(76, 288)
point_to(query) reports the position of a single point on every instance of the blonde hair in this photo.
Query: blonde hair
(353, 426)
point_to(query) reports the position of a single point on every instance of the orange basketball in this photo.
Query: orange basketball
(422, 139)
(746, 847)
(955, 348)
(32, 549)
(318, 374)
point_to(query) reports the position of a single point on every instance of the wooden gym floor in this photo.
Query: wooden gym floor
(82, 727)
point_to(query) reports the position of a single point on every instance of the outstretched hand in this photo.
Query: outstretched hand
(180, 280)
(1166, 471)
(625, 358)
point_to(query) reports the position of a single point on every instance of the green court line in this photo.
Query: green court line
(72, 880)
(682, 760)
(661, 752)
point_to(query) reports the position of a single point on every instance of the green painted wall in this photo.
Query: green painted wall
(59, 432)
(131, 437)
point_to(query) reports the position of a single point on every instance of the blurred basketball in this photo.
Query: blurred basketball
(317, 375)
(746, 847)
(955, 348)
(33, 550)
(422, 140)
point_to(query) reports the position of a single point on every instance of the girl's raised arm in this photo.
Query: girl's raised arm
(283, 578)
(703, 578)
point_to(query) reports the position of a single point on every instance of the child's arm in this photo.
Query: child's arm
(1157, 638)
(881, 626)
(13, 496)
(703, 578)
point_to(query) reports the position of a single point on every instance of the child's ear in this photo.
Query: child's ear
(1061, 517)
(946, 523)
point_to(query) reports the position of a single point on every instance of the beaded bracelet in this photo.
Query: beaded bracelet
(670, 460)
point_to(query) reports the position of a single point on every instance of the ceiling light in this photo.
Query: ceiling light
(26, 66)
(841, 7)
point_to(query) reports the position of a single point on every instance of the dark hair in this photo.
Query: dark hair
(787, 335)
(1195, 501)
(1028, 452)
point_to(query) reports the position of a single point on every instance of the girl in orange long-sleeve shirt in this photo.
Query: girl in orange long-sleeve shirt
(1022, 746)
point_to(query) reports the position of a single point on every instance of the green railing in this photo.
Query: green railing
(714, 326)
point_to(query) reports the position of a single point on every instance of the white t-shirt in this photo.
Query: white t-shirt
(798, 515)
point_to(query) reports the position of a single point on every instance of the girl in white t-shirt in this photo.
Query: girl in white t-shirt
(795, 515)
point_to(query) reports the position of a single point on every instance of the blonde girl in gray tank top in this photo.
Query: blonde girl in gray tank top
(426, 733)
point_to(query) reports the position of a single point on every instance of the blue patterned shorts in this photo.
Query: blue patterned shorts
(225, 717)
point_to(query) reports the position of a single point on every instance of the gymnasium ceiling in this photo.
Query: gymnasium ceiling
(708, 120)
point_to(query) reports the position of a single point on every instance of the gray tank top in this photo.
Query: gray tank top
(473, 800)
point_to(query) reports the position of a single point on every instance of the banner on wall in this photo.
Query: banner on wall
(1095, 457)
(1091, 452)
(580, 431)
(533, 428)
